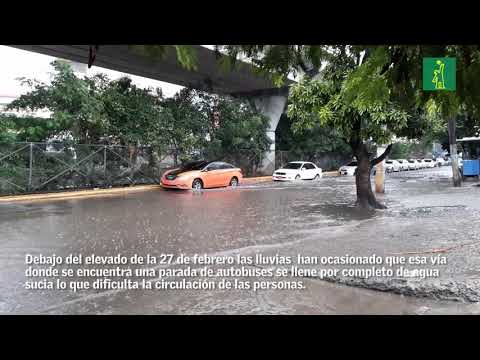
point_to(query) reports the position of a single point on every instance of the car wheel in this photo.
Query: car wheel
(316, 177)
(234, 182)
(297, 177)
(197, 184)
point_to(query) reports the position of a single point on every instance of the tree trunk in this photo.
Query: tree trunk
(132, 156)
(365, 196)
(452, 139)
(175, 158)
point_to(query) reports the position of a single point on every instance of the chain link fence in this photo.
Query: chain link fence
(48, 167)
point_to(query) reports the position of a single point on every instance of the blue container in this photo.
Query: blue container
(471, 167)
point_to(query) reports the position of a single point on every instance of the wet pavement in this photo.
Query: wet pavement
(309, 217)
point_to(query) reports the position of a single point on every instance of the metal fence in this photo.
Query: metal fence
(48, 167)
(45, 167)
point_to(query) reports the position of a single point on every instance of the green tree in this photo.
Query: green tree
(7, 132)
(184, 124)
(76, 108)
(333, 94)
(312, 144)
(377, 83)
(214, 127)
(26, 128)
(402, 70)
(185, 54)
(237, 132)
(131, 113)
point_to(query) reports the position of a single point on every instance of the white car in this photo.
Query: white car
(440, 162)
(348, 169)
(403, 164)
(413, 164)
(351, 169)
(392, 166)
(429, 163)
(298, 170)
(421, 164)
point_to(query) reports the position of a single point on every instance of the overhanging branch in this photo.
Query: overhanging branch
(381, 157)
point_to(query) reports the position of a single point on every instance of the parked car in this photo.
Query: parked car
(421, 164)
(412, 164)
(429, 163)
(298, 170)
(392, 166)
(350, 169)
(403, 164)
(202, 174)
(440, 162)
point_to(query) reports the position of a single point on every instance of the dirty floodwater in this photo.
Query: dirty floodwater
(309, 217)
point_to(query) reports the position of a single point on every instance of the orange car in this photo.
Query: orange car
(202, 174)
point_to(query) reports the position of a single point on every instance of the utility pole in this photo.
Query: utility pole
(452, 140)
(380, 172)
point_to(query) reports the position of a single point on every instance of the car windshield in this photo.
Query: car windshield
(427, 160)
(353, 163)
(194, 165)
(389, 162)
(293, 165)
(411, 161)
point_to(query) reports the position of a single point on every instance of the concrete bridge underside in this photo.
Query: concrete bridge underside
(239, 81)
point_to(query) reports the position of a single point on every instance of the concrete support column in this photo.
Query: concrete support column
(271, 106)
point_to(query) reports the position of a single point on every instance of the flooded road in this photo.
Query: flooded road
(309, 217)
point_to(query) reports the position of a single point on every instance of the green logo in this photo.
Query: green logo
(439, 74)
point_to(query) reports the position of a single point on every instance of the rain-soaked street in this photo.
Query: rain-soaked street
(309, 217)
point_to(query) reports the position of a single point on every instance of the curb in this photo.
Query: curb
(253, 180)
(77, 193)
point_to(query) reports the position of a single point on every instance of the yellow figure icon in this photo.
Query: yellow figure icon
(438, 78)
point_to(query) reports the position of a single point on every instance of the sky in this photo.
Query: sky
(15, 63)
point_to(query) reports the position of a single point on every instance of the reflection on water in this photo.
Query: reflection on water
(340, 212)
